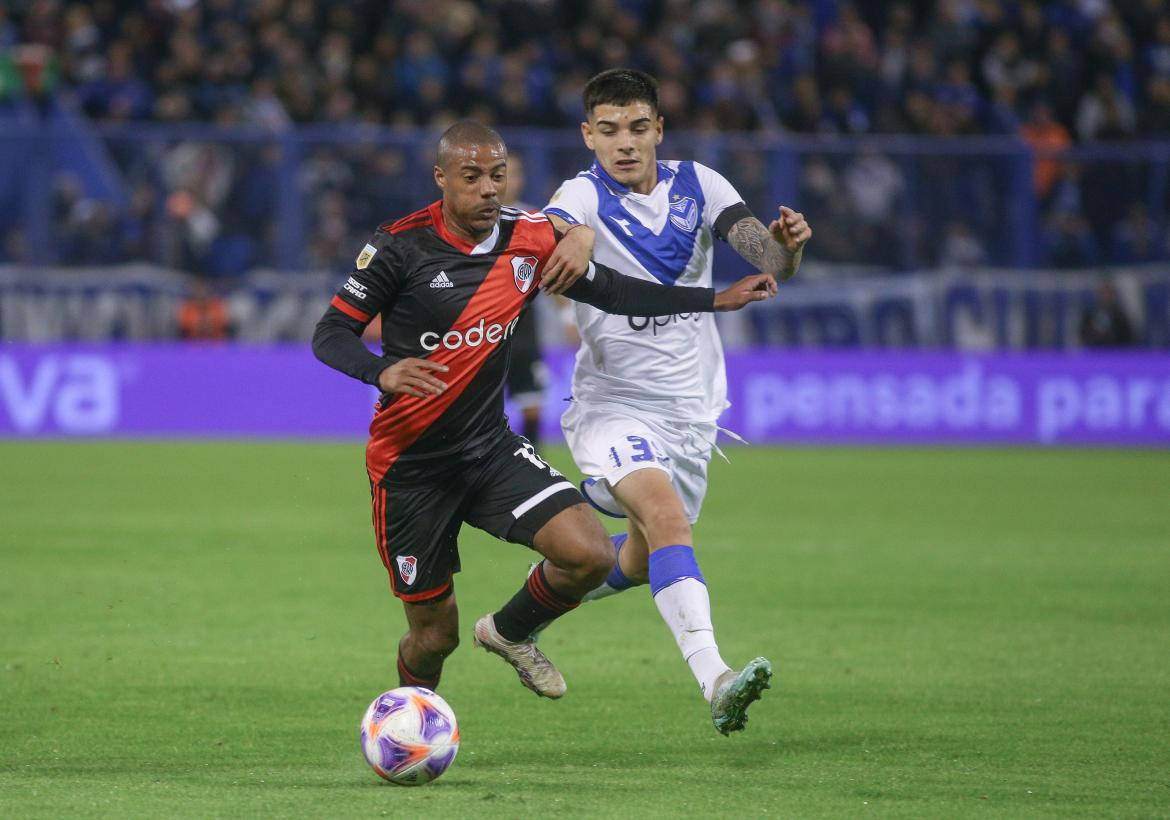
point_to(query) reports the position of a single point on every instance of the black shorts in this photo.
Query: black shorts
(508, 491)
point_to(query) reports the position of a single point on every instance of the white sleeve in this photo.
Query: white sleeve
(575, 202)
(718, 193)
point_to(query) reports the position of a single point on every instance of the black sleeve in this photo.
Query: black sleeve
(728, 217)
(371, 288)
(377, 277)
(337, 341)
(608, 290)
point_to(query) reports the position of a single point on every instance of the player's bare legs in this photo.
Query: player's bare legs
(633, 546)
(432, 634)
(577, 550)
(661, 531)
(577, 557)
(656, 514)
(634, 553)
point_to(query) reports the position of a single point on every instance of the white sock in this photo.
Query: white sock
(686, 608)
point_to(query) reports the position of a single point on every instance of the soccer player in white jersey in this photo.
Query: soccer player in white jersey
(647, 392)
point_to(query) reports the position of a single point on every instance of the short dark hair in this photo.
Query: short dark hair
(621, 86)
(464, 133)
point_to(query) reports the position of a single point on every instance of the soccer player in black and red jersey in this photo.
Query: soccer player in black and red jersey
(449, 282)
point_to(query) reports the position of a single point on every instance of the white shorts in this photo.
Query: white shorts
(609, 442)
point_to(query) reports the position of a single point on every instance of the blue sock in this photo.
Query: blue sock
(617, 579)
(671, 564)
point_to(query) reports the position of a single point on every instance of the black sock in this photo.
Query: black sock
(408, 677)
(535, 603)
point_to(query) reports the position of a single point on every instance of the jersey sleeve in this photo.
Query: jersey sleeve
(379, 274)
(609, 291)
(542, 238)
(575, 202)
(718, 193)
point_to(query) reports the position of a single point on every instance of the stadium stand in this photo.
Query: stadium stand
(852, 110)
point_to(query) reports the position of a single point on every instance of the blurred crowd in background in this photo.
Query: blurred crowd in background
(1068, 69)
(1050, 75)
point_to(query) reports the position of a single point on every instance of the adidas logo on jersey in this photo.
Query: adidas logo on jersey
(441, 281)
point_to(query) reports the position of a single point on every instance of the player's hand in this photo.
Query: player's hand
(569, 260)
(412, 377)
(790, 230)
(754, 288)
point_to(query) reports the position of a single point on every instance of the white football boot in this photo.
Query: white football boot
(536, 671)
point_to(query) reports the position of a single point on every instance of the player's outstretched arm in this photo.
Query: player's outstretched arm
(754, 288)
(776, 249)
(610, 291)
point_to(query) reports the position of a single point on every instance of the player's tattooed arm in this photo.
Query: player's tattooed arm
(751, 240)
(776, 249)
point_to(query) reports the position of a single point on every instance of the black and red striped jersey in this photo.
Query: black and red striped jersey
(443, 299)
(448, 301)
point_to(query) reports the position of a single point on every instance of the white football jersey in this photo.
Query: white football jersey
(671, 366)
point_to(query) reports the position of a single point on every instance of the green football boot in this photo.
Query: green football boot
(735, 691)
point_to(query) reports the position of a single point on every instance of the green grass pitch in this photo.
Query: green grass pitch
(194, 630)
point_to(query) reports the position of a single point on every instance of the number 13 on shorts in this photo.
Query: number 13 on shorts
(637, 450)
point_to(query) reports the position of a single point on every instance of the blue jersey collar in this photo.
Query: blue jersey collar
(664, 174)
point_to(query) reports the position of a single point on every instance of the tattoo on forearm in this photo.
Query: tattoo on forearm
(751, 240)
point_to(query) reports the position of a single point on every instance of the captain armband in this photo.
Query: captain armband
(729, 216)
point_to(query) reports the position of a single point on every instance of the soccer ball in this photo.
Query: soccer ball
(409, 735)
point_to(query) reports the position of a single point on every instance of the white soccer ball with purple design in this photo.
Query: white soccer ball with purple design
(409, 735)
